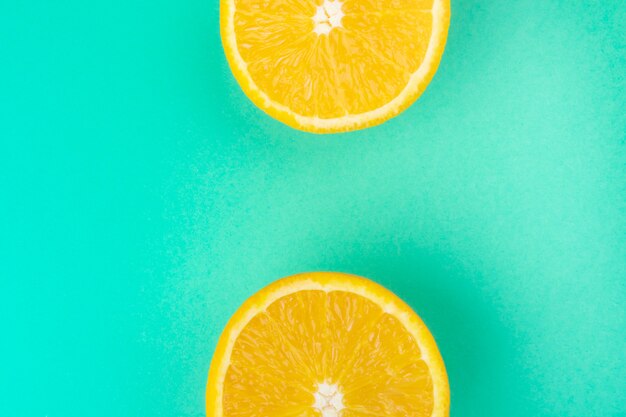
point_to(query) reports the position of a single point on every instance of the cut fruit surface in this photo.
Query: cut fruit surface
(326, 345)
(334, 65)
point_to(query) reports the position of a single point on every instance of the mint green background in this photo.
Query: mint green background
(144, 198)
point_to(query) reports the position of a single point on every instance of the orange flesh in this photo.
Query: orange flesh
(312, 336)
(357, 67)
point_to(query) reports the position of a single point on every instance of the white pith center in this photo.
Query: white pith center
(328, 399)
(327, 16)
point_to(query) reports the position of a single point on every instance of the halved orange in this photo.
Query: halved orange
(326, 345)
(334, 65)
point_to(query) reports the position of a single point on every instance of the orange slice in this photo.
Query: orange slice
(326, 345)
(334, 65)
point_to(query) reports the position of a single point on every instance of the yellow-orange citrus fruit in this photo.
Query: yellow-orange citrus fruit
(326, 345)
(334, 65)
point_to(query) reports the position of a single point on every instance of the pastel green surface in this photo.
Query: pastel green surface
(144, 198)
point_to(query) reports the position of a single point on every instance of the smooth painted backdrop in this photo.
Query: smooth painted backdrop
(144, 198)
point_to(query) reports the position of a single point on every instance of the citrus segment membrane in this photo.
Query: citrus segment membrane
(317, 353)
(331, 65)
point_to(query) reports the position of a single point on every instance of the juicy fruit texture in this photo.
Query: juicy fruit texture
(339, 338)
(334, 65)
(326, 345)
